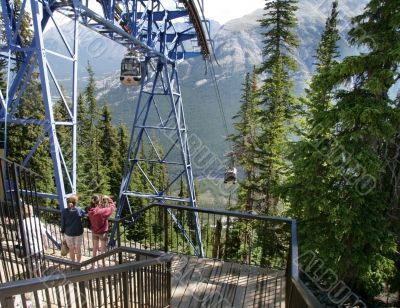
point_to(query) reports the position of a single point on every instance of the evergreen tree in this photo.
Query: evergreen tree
(279, 39)
(157, 171)
(307, 187)
(109, 147)
(140, 231)
(3, 76)
(244, 142)
(22, 138)
(276, 98)
(120, 151)
(244, 152)
(25, 30)
(343, 208)
(277, 106)
(94, 173)
(82, 130)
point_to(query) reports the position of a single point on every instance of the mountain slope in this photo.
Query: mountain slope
(238, 46)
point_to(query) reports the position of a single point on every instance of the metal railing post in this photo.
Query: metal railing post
(165, 218)
(120, 260)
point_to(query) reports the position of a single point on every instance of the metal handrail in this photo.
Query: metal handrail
(35, 284)
(309, 298)
(207, 211)
(297, 292)
(294, 270)
(20, 167)
(79, 265)
(119, 250)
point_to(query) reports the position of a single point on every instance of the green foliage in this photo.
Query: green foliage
(277, 103)
(111, 157)
(238, 238)
(279, 38)
(340, 188)
(21, 139)
(94, 172)
(262, 135)
(3, 76)
(157, 171)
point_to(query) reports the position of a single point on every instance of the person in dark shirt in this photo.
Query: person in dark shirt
(72, 228)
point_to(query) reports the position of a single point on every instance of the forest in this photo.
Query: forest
(329, 159)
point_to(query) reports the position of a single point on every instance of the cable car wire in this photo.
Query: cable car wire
(219, 98)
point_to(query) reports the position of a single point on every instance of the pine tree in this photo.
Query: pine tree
(94, 173)
(307, 187)
(279, 38)
(158, 172)
(277, 107)
(82, 130)
(244, 141)
(120, 152)
(3, 76)
(276, 98)
(141, 229)
(244, 153)
(343, 208)
(22, 138)
(25, 31)
(109, 147)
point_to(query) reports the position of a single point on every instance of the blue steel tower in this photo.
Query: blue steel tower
(164, 32)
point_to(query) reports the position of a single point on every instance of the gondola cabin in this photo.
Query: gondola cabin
(131, 70)
(230, 175)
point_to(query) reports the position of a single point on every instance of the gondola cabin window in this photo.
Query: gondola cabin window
(131, 69)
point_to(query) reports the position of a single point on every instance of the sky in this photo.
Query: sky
(224, 10)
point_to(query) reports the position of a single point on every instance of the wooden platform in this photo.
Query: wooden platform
(207, 283)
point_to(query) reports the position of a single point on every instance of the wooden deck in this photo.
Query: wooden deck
(208, 283)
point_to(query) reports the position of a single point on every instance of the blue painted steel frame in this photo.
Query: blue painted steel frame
(145, 24)
(166, 77)
(36, 51)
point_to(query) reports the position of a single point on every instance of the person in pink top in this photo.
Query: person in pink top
(101, 208)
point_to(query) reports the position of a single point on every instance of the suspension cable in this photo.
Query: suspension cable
(218, 93)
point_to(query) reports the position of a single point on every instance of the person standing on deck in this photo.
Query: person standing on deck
(35, 239)
(72, 228)
(98, 216)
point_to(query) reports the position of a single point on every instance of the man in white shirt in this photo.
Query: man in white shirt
(35, 238)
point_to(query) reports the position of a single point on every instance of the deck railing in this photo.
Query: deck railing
(247, 238)
(251, 239)
(226, 235)
(143, 283)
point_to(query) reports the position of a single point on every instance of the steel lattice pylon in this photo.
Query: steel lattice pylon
(165, 31)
